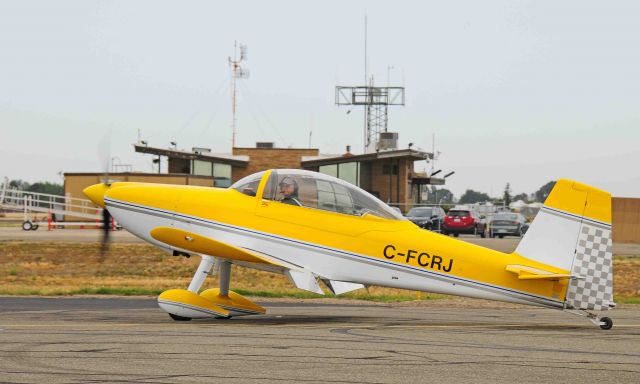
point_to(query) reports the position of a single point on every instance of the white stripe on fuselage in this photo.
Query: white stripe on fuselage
(333, 264)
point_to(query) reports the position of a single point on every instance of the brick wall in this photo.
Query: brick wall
(391, 188)
(261, 159)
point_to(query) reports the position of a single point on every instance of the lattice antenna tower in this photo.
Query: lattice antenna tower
(237, 72)
(376, 101)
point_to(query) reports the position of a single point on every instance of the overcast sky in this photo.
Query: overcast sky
(514, 91)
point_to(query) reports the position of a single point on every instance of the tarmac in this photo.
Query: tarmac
(130, 340)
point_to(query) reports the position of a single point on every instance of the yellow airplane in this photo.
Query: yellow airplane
(310, 227)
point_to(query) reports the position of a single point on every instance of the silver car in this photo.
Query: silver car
(507, 224)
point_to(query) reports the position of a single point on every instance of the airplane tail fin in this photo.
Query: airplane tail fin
(572, 231)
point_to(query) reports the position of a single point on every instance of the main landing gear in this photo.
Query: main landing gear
(219, 303)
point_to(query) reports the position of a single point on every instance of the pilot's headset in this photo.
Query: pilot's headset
(290, 181)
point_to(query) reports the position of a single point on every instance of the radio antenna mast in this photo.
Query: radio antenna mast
(375, 101)
(237, 72)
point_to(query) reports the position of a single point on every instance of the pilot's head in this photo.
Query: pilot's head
(288, 187)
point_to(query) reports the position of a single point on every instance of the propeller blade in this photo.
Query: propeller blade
(104, 158)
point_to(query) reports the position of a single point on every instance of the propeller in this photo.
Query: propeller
(104, 157)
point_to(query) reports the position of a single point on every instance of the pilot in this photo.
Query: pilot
(289, 191)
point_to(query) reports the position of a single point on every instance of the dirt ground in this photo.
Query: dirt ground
(59, 268)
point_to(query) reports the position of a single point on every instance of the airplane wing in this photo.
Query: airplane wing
(205, 245)
(525, 272)
(192, 242)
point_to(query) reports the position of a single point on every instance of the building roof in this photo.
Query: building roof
(149, 174)
(411, 154)
(223, 158)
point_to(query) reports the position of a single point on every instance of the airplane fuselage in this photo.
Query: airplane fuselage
(360, 249)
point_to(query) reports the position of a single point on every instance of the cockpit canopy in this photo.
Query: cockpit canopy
(315, 190)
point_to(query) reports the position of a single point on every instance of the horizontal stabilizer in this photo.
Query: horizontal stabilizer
(530, 273)
(205, 245)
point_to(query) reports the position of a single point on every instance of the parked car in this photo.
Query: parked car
(507, 224)
(430, 218)
(464, 220)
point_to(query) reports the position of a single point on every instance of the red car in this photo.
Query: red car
(467, 221)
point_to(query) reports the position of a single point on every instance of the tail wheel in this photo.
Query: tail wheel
(607, 323)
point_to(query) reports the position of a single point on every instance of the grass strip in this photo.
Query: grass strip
(154, 292)
(627, 300)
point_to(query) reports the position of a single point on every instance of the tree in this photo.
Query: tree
(544, 191)
(506, 196)
(470, 196)
(38, 187)
(521, 196)
(440, 195)
(47, 187)
(19, 184)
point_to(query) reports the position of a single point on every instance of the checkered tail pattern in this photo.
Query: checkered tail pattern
(591, 287)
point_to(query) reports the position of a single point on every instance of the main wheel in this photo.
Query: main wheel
(35, 227)
(608, 323)
(27, 225)
(456, 234)
(179, 318)
(501, 236)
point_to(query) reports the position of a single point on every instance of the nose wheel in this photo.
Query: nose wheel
(179, 318)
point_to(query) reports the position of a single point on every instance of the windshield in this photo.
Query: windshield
(420, 212)
(453, 213)
(249, 184)
(505, 216)
(319, 191)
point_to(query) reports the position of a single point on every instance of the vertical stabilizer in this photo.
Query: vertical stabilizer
(572, 231)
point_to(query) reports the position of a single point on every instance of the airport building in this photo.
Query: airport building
(388, 174)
